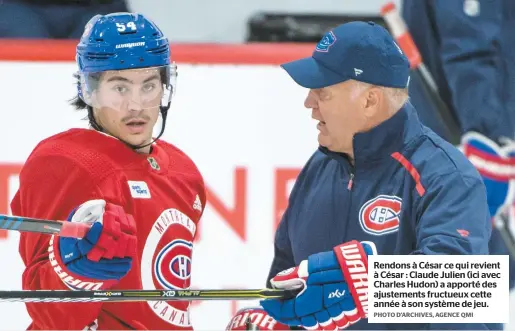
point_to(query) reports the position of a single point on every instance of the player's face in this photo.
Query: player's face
(337, 108)
(129, 104)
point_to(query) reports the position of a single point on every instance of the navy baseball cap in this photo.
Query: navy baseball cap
(362, 51)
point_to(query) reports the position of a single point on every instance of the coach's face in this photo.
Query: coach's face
(339, 110)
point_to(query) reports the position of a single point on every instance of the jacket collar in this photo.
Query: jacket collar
(381, 141)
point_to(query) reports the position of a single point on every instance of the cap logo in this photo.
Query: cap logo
(326, 42)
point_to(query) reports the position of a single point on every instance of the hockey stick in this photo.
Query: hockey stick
(36, 225)
(142, 295)
(78, 230)
(400, 32)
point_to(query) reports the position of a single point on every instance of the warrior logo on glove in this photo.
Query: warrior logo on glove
(334, 289)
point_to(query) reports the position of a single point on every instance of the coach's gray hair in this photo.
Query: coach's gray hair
(396, 97)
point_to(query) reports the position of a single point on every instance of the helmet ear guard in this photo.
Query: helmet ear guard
(83, 90)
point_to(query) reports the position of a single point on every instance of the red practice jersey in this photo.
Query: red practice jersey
(163, 190)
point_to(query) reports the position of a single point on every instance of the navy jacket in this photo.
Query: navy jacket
(470, 51)
(409, 191)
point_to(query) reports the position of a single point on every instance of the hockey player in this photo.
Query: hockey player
(380, 183)
(142, 196)
(468, 48)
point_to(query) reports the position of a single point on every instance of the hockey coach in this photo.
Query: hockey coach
(379, 183)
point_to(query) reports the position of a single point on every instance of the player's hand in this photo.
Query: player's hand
(254, 318)
(334, 289)
(496, 165)
(106, 251)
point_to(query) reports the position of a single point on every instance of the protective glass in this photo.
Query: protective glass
(130, 89)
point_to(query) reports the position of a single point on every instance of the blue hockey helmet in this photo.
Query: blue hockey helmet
(119, 42)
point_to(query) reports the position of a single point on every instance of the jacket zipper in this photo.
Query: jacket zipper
(351, 182)
(349, 205)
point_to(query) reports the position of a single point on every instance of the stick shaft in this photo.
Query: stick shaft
(141, 295)
(36, 225)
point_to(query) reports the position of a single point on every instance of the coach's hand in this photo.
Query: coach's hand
(334, 287)
(106, 251)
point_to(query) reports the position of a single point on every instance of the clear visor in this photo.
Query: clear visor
(131, 89)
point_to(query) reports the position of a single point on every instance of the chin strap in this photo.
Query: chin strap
(98, 127)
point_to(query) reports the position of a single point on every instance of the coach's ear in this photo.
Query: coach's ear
(373, 100)
(254, 318)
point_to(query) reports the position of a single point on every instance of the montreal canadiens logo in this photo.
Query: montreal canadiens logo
(173, 265)
(381, 215)
(166, 264)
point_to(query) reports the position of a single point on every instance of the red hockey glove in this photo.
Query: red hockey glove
(106, 251)
(254, 318)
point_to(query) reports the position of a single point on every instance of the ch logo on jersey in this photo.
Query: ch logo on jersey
(173, 264)
(381, 215)
(166, 264)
